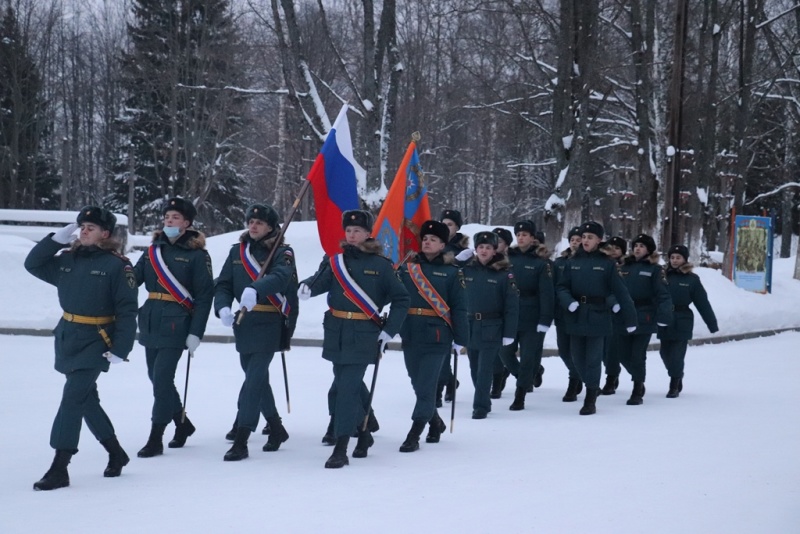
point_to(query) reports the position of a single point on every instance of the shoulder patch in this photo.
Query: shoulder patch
(129, 276)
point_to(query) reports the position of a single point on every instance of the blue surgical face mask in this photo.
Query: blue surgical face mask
(172, 231)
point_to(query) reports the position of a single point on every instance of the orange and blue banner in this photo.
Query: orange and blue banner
(404, 210)
(333, 178)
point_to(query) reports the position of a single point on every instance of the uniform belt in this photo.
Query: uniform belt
(161, 296)
(684, 307)
(642, 302)
(591, 300)
(485, 316)
(356, 316)
(428, 312)
(85, 319)
(265, 308)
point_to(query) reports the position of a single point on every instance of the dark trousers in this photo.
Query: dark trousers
(611, 355)
(423, 365)
(673, 354)
(530, 344)
(161, 366)
(481, 365)
(565, 353)
(587, 356)
(349, 407)
(79, 402)
(364, 393)
(446, 373)
(633, 355)
(256, 393)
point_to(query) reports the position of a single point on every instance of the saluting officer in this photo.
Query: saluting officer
(271, 314)
(587, 280)
(176, 271)
(493, 311)
(685, 288)
(575, 385)
(534, 278)
(615, 248)
(359, 283)
(97, 291)
(436, 321)
(647, 286)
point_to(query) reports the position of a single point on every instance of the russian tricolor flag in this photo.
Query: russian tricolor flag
(333, 178)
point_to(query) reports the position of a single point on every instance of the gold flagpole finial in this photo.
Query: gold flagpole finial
(416, 137)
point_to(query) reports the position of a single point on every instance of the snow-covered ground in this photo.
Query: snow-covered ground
(720, 458)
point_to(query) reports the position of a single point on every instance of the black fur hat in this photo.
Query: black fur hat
(357, 218)
(182, 206)
(575, 230)
(454, 216)
(99, 216)
(647, 241)
(435, 228)
(525, 226)
(683, 250)
(619, 242)
(593, 227)
(262, 212)
(485, 238)
(504, 234)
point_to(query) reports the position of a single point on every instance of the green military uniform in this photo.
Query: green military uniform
(261, 330)
(562, 336)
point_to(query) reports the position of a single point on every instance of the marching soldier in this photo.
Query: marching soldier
(575, 385)
(534, 279)
(493, 311)
(359, 283)
(437, 320)
(501, 371)
(271, 314)
(685, 288)
(647, 286)
(615, 248)
(176, 270)
(587, 280)
(97, 291)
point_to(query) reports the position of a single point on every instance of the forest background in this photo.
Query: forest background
(654, 116)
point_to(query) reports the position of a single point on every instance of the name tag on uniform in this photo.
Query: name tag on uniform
(683, 285)
(574, 268)
(491, 281)
(645, 273)
(531, 267)
(468, 278)
(440, 274)
(598, 268)
(66, 269)
(237, 262)
(98, 273)
(178, 258)
(371, 273)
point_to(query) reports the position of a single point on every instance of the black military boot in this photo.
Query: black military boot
(450, 390)
(117, 458)
(329, 438)
(372, 422)
(339, 457)
(680, 384)
(183, 429)
(497, 386)
(411, 443)
(57, 476)
(266, 430)
(674, 385)
(611, 385)
(519, 400)
(637, 395)
(439, 390)
(537, 378)
(365, 441)
(231, 435)
(154, 445)
(435, 429)
(277, 434)
(573, 389)
(589, 407)
(238, 450)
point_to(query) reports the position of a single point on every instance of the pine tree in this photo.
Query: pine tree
(26, 175)
(180, 123)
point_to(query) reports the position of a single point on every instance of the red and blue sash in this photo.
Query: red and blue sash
(429, 293)
(353, 291)
(168, 280)
(253, 268)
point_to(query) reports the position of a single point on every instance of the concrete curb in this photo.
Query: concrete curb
(396, 346)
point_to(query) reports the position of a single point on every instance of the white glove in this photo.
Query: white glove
(112, 358)
(226, 316)
(248, 298)
(64, 235)
(542, 328)
(304, 292)
(507, 341)
(192, 342)
(662, 325)
(573, 306)
(384, 339)
(615, 308)
(465, 254)
(631, 329)
(458, 348)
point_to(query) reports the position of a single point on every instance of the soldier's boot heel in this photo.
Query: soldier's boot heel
(277, 435)
(117, 457)
(57, 476)
(154, 445)
(238, 450)
(365, 441)
(339, 457)
(411, 443)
